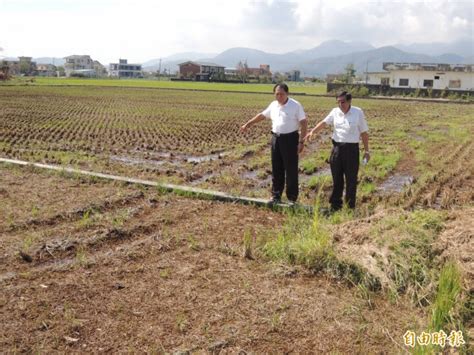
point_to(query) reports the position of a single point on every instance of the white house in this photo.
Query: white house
(46, 69)
(123, 69)
(79, 64)
(455, 77)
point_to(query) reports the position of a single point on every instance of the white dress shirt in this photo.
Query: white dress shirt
(285, 118)
(347, 127)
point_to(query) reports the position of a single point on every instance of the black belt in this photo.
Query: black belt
(340, 144)
(283, 134)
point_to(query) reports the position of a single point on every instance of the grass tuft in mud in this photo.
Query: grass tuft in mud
(303, 240)
(447, 296)
(447, 314)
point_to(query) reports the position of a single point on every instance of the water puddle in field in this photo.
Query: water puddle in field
(137, 161)
(395, 183)
(159, 158)
(161, 155)
(261, 182)
(203, 158)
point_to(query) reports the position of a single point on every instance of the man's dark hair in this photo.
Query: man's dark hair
(347, 95)
(281, 86)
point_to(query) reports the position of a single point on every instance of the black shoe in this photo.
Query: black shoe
(275, 200)
(325, 212)
(334, 209)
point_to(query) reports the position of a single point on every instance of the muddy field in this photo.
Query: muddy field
(90, 265)
(192, 138)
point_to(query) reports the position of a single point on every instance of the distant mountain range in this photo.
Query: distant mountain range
(42, 60)
(329, 57)
(372, 60)
(461, 48)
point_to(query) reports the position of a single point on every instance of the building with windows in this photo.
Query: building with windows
(201, 71)
(293, 75)
(22, 66)
(81, 65)
(123, 69)
(452, 77)
(46, 70)
(100, 70)
(262, 70)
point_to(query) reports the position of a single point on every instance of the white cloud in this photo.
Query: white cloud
(460, 23)
(144, 29)
(386, 22)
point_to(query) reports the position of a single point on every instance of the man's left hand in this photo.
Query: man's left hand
(300, 147)
(367, 156)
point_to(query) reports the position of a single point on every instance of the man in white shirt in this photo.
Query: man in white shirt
(287, 117)
(349, 126)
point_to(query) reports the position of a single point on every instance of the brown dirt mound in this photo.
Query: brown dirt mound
(354, 245)
(456, 242)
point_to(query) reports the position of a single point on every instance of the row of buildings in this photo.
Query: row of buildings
(402, 76)
(205, 71)
(75, 65)
(85, 66)
(453, 77)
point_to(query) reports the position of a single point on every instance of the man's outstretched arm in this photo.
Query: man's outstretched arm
(252, 121)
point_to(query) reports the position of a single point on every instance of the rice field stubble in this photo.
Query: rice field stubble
(91, 265)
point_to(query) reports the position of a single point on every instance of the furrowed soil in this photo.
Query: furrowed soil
(144, 271)
(193, 138)
(88, 265)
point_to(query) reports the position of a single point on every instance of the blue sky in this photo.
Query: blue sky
(141, 30)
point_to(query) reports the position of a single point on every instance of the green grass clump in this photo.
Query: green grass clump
(380, 165)
(308, 166)
(449, 289)
(304, 240)
(366, 188)
(446, 312)
(309, 245)
(315, 182)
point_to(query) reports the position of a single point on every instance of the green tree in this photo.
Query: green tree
(61, 70)
(349, 73)
(264, 79)
(25, 67)
(242, 71)
(279, 77)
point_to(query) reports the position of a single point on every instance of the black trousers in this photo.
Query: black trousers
(285, 165)
(344, 163)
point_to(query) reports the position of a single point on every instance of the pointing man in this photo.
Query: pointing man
(349, 126)
(287, 116)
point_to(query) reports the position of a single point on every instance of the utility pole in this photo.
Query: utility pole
(366, 72)
(159, 71)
